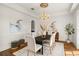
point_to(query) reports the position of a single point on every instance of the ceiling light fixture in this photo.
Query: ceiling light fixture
(44, 15)
(44, 5)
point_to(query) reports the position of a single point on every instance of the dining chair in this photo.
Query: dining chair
(51, 42)
(32, 46)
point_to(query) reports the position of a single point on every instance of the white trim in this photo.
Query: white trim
(16, 7)
(73, 7)
(19, 9)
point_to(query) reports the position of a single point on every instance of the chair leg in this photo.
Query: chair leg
(34, 54)
(28, 53)
(50, 51)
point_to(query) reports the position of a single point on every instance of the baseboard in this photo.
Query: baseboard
(61, 41)
(77, 47)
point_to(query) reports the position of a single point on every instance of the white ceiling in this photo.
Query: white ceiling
(52, 7)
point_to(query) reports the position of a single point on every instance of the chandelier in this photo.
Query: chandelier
(44, 15)
(44, 5)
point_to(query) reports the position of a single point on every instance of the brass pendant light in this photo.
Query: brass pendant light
(44, 5)
(44, 15)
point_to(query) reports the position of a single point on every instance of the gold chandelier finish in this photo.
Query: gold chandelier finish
(44, 5)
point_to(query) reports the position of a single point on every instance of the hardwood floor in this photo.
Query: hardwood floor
(6, 53)
(10, 51)
(70, 50)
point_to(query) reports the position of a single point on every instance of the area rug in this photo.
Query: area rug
(58, 50)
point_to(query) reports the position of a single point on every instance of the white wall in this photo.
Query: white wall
(77, 26)
(61, 21)
(8, 16)
(74, 18)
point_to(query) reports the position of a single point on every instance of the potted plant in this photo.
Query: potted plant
(69, 31)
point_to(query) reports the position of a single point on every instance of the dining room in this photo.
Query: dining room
(37, 29)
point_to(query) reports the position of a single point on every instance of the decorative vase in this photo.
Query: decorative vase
(68, 41)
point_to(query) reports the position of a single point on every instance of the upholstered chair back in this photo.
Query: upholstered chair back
(31, 43)
(52, 39)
